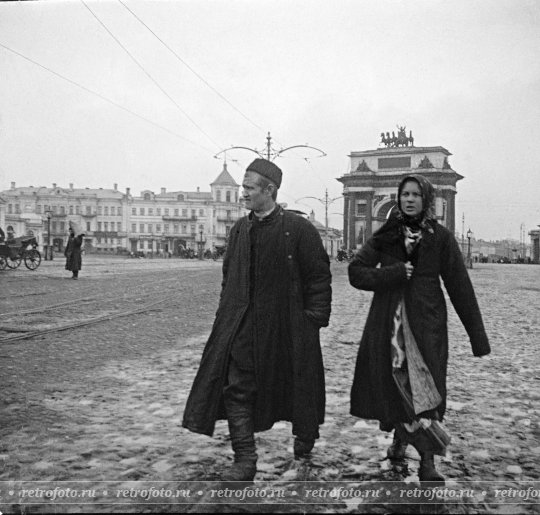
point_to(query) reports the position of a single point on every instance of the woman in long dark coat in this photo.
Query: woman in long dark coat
(72, 251)
(400, 375)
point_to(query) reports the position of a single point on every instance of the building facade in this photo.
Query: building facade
(115, 221)
(370, 188)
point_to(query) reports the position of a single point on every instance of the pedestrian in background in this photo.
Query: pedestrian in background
(73, 250)
(263, 362)
(400, 375)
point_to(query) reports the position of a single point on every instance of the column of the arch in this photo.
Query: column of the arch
(352, 219)
(369, 214)
(450, 197)
(346, 220)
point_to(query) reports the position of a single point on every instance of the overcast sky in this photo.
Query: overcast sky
(146, 93)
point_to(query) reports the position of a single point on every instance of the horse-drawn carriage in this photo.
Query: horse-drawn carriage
(13, 252)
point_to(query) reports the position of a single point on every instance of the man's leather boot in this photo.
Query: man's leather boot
(427, 471)
(242, 435)
(397, 449)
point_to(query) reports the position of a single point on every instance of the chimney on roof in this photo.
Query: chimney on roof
(163, 191)
(54, 184)
(198, 189)
(115, 186)
(70, 185)
(13, 185)
(128, 191)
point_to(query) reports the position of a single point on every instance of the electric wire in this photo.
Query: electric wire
(102, 97)
(155, 82)
(190, 68)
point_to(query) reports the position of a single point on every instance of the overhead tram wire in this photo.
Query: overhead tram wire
(190, 68)
(104, 98)
(156, 83)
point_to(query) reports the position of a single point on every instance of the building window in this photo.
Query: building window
(53, 227)
(184, 212)
(150, 227)
(18, 208)
(133, 210)
(175, 228)
(62, 210)
(106, 226)
(236, 196)
(184, 229)
(99, 210)
(150, 211)
(62, 227)
(158, 211)
(227, 230)
(147, 196)
(10, 209)
(119, 211)
(227, 196)
(106, 210)
(201, 212)
(193, 213)
(158, 228)
(88, 210)
(166, 228)
(38, 209)
(99, 226)
(141, 211)
(133, 227)
(218, 195)
(118, 226)
(141, 228)
(176, 212)
(166, 211)
(88, 227)
(77, 210)
(70, 210)
(193, 229)
(180, 198)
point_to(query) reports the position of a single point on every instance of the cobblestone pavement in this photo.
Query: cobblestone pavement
(99, 407)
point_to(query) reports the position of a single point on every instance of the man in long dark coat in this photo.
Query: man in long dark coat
(263, 361)
(73, 250)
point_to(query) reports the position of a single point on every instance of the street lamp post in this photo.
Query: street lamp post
(201, 244)
(469, 258)
(48, 250)
(326, 201)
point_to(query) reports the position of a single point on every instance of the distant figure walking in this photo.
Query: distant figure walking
(73, 250)
(400, 376)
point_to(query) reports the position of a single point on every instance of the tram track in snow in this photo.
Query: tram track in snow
(25, 334)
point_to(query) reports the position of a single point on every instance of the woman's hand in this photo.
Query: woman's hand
(409, 269)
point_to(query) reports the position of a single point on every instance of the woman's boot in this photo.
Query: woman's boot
(427, 471)
(303, 446)
(397, 449)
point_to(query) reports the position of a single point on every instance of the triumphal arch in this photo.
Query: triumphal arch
(369, 188)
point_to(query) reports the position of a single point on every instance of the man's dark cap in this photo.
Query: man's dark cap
(266, 169)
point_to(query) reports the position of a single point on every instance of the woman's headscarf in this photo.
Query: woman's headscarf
(428, 203)
(397, 218)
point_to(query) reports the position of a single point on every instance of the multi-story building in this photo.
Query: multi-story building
(114, 221)
(370, 187)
